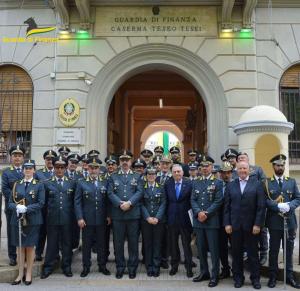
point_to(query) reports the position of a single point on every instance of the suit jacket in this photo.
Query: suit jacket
(34, 200)
(91, 201)
(60, 201)
(154, 202)
(122, 188)
(177, 209)
(77, 175)
(243, 211)
(207, 196)
(289, 193)
(9, 176)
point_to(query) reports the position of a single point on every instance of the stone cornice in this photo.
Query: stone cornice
(263, 126)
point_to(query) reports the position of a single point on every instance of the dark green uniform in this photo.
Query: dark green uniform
(153, 205)
(122, 187)
(207, 196)
(60, 212)
(91, 205)
(274, 221)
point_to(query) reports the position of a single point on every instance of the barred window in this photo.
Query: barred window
(290, 106)
(16, 92)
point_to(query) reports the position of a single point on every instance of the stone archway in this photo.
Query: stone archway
(157, 57)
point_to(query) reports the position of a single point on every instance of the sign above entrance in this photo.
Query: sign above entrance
(166, 21)
(69, 112)
(69, 136)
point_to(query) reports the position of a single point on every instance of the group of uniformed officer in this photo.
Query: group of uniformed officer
(128, 197)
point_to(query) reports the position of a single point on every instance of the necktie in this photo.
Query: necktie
(60, 181)
(96, 183)
(85, 174)
(71, 175)
(280, 183)
(19, 171)
(26, 185)
(177, 190)
(151, 188)
(51, 173)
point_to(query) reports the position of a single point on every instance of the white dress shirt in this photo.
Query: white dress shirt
(243, 184)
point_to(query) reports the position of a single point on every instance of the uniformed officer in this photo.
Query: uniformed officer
(139, 166)
(156, 163)
(84, 165)
(92, 216)
(125, 193)
(193, 171)
(257, 173)
(147, 155)
(44, 174)
(111, 165)
(26, 202)
(192, 154)
(153, 212)
(226, 177)
(158, 151)
(162, 176)
(94, 154)
(9, 176)
(71, 172)
(231, 155)
(60, 192)
(64, 151)
(283, 198)
(175, 157)
(206, 201)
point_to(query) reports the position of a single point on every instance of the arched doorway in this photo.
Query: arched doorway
(166, 57)
(16, 95)
(152, 97)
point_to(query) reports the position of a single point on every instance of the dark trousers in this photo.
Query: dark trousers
(152, 235)
(93, 234)
(276, 236)
(42, 235)
(223, 249)
(174, 231)
(121, 230)
(208, 240)
(263, 241)
(12, 254)
(75, 233)
(165, 244)
(107, 241)
(59, 237)
(239, 239)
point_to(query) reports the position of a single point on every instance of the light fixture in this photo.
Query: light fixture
(227, 27)
(161, 105)
(246, 29)
(64, 31)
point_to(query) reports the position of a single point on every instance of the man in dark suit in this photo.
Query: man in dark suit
(244, 214)
(9, 177)
(178, 191)
(283, 199)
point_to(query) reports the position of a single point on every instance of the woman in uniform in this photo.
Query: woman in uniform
(153, 211)
(26, 202)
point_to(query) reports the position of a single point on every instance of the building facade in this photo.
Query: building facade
(127, 65)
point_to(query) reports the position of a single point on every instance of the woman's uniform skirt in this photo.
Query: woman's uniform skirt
(29, 235)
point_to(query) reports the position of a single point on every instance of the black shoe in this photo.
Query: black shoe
(238, 284)
(104, 271)
(224, 274)
(293, 283)
(38, 258)
(256, 284)
(201, 277)
(12, 262)
(272, 282)
(68, 272)
(263, 259)
(156, 274)
(194, 265)
(119, 275)
(213, 282)
(45, 275)
(84, 272)
(27, 283)
(173, 271)
(149, 273)
(164, 265)
(132, 275)
(16, 282)
(189, 273)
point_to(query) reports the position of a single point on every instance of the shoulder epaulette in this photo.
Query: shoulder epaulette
(11, 168)
(287, 178)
